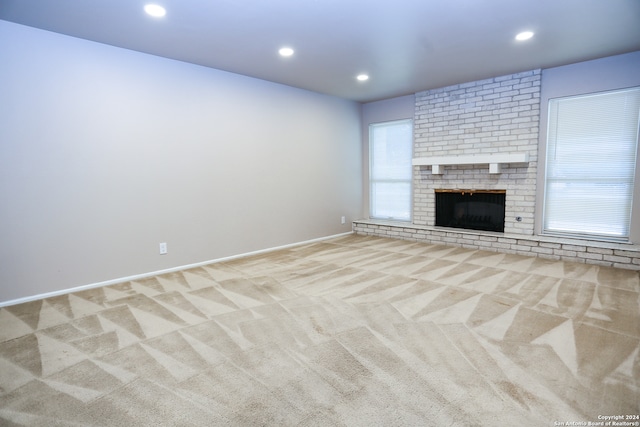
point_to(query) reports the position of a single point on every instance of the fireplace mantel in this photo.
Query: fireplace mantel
(495, 161)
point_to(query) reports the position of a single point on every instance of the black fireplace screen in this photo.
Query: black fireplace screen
(471, 209)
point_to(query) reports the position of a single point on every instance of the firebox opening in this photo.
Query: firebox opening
(471, 209)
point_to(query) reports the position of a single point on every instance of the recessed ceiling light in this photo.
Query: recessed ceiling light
(362, 77)
(525, 35)
(285, 51)
(155, 10)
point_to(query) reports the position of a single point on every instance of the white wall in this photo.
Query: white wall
(106, 152)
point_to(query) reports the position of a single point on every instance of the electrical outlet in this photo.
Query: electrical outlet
(343, 220)
(163, 248)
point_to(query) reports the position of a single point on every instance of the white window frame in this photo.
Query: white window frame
(376, 179)
(554, 208)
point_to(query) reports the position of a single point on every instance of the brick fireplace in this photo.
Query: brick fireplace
(483, 135)
(498, 116)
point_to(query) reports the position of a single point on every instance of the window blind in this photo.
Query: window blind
(390, 149)
(590, 163)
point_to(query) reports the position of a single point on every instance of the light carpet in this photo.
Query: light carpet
(351, 331)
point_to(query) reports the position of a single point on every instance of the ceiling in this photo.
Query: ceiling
(405, 46)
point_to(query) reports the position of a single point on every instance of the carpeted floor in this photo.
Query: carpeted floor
(352, 331)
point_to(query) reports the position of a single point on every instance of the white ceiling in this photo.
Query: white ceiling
(405, 46)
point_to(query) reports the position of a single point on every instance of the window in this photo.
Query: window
(591, 156)
(390, 170)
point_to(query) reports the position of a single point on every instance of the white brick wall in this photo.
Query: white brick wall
(619, 255)
(498, 115)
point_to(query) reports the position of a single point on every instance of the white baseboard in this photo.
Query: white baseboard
(156, 273)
